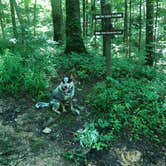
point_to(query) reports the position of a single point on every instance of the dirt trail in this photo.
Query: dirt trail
(23, 143)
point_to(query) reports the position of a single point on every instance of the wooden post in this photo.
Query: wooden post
(106, 24)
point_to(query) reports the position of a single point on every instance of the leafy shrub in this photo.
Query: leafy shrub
(83, 65)
(11, 73)
(88, 137)
(130, 105)
(18, 77)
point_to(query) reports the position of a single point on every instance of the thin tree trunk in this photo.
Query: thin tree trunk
(155, 29)
(20, 20)
(1, 21)
(130, 23)
(149, 33)
(92, 17)
(87, 18)
(126, 35)
(34, 18)
(140, 24)
(26, 6)
(84, 16)
(57, 20)
(12, 10)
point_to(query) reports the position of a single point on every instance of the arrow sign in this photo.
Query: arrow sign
(113, 32)
(112, 15)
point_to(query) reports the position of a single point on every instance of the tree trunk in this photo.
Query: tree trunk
(12, 10)
(20, 20)
(1, 21)
(126, 35)
(57, 20)
(156, 26)
(26, 6)
(84, 17)
(140, 25)
(34, 18)
(149, 33)
(87, 17)
(92, 17)
(74, 41)
(130, 22)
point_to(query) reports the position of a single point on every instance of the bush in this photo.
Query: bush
(133, 106)
(18, 77)
(84, 66)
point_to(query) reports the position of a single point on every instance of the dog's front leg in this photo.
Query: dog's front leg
(55, 106)
(63, 108)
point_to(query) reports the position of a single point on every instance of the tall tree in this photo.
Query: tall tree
(57, 20)
(126, 35)
(149, 32)
(12, 10)
(74, 41)
(84, 17)
(20, 20)
(1, 20)
(34, 17)
(140, 24)
(130, 22)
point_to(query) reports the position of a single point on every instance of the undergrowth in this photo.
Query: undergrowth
(20, 77)
(131, 105)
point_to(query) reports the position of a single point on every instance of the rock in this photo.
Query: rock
(46, 130)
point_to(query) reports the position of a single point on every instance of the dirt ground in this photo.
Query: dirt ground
(23, 142)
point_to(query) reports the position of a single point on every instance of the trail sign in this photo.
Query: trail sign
(112, 15)
(112, 32)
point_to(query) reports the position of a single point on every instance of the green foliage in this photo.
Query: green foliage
(88, 137)
(76, 156)
(16, 77)
(130, 105)
(84, 66)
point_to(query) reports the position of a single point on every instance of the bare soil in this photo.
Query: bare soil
(23, 142)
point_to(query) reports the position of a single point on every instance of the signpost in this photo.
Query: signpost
(112, 32)
(107, 31)
(112, 15)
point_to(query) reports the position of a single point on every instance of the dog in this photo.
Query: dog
(61, 97)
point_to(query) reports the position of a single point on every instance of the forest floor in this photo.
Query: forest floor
(23, 142)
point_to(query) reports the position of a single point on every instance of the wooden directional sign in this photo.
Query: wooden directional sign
(112, 15)
(112, 32)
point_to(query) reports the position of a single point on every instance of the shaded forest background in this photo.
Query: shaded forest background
(124, 92)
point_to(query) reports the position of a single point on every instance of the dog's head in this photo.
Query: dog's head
(67, 84)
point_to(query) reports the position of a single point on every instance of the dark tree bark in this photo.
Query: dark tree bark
(1, 21)
(34, 18)
(12, 10)
(57, 20)
(156, 26)
(126, 35)
(149, 33)
(74, 41)
(20, 20)
(130, 22)
(87, 18)
(84, 17)
(140, 24)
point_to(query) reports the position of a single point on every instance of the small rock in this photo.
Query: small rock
(46, 130)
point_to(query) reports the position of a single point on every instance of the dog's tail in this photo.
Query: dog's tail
(42, 105)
